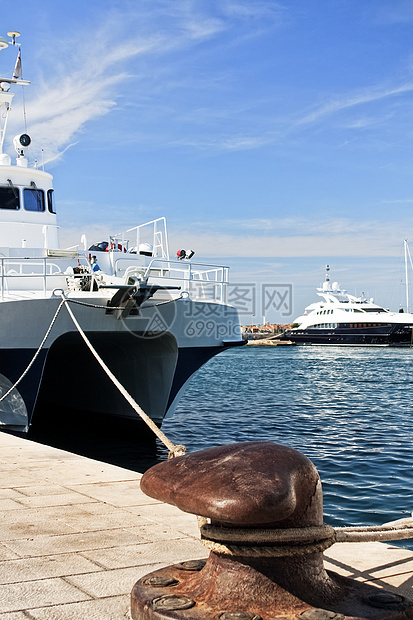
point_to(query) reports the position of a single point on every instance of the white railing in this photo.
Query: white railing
(45, 274)
(38, 274)
(200, 281)
(153, 233)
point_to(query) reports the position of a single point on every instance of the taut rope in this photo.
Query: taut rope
(174, 450)
(275, 542)
(49, 329)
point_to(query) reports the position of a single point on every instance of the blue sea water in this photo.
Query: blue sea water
(348, 409)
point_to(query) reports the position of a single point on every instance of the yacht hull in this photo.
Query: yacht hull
(379, 336)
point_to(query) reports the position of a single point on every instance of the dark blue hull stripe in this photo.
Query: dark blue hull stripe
(386, 335)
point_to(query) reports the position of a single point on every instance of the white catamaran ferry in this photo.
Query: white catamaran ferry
(152, 319)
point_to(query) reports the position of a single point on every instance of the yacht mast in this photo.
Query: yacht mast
(407, 255)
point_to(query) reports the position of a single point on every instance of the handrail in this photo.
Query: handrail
(210, 281)
(159, 236)
(203, 281)
(206, 281)
(45, 265)
(190, 268)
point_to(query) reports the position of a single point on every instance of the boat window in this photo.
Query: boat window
(50, 201)
(9, 198)
(33, 199)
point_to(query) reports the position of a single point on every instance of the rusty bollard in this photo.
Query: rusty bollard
(266, 535)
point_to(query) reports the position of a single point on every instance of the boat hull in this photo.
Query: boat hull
(389, 335)
(152, 365)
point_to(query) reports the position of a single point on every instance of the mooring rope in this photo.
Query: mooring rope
(174, 450)
(274, 542)
(49, 329)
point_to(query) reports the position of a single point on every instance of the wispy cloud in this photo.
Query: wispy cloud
(253, 10)
(61, 108)
(398, 201)
(366, 96)
(87, 84)
(307, 227)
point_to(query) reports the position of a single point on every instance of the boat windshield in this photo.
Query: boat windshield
(33, 199)
(9, 198)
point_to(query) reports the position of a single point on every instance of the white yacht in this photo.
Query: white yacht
(153, 319)
(344, 319)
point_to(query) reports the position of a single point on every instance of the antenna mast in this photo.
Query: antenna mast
(5, 96)
(407, 255)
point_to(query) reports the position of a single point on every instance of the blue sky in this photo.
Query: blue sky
(274, 136)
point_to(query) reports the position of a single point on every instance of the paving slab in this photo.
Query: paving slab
(71, 543)
(45, 567)
(28, 594)
(117, 493)
(160, 552)
(23, 524)
(109, 608)
(164, 513)
(380, 564)
(75, 535)
(7, 554)
(111, 582)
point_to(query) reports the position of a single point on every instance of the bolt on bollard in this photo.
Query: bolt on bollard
(266, 538)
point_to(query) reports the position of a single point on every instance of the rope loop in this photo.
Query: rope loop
(275, 542)
(270, 542)
(178, 450)
(269, 550)
(267, 535)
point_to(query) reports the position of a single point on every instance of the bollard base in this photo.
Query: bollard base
(224, 589)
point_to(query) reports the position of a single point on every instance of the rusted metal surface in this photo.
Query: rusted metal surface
(256, 484)
(252, 485)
